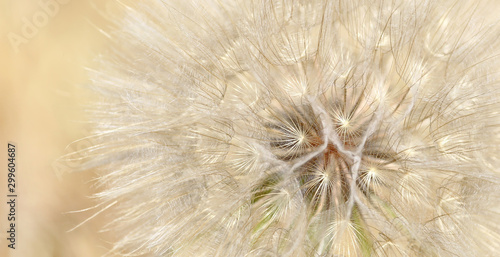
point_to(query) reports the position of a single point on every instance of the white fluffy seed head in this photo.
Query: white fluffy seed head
(301, 128)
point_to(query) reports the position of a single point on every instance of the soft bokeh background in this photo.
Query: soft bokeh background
(41, 111)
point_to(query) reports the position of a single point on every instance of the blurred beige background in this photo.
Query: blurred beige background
(40, 110)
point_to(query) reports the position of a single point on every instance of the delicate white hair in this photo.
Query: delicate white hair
(300, 128)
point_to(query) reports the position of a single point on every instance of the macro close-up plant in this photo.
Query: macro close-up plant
(299, 128)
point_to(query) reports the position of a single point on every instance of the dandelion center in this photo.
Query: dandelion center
(323, 168)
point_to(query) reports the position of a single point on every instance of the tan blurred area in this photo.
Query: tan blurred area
(42, 69)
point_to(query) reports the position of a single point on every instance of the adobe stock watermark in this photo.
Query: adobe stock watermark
(77, 153)
(30, 27)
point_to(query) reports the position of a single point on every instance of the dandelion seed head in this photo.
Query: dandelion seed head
(300, 128)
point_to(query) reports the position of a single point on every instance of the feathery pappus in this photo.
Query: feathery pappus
(300, 128)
